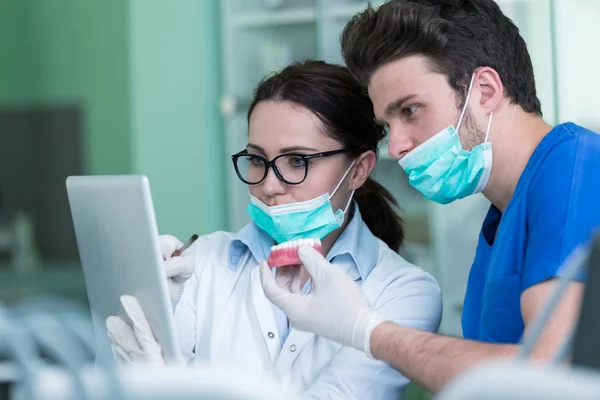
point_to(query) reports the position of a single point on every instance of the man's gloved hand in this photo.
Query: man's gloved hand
(178, 269)
(133, 345)
(336, 307)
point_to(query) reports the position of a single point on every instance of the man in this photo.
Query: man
(431, 66)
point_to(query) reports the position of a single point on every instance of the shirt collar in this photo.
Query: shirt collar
(356, 242)
(253, 238)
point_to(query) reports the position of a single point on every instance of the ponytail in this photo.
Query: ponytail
(376, 206)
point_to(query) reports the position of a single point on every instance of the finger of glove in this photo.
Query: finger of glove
(120, 355)
(287, 301)
(168, 244)
(147, 359)
(318, 267)
(175, 289)
(180, 268)
(129, 356)
(141, 326)
(121, 334)
(314, 262)
(291, 277)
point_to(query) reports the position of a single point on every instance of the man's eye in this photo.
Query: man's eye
(408, 111)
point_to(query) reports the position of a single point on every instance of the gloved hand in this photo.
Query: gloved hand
(291, 277)
(336, 307)
(135, 345)
(178, 269)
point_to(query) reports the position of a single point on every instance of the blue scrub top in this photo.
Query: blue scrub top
(555, 207)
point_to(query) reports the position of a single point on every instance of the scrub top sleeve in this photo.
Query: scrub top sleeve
(563, 212)
(412, 300)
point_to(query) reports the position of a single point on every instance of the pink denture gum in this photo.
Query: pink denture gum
(286, 253)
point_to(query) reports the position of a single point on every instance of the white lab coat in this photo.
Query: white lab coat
(224, 318)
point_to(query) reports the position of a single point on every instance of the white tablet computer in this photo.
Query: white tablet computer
(117, 237)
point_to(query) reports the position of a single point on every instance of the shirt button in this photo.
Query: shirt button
(271, 335)
(233, 259)
(293, 348)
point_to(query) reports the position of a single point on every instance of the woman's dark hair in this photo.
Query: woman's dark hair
(346, 112)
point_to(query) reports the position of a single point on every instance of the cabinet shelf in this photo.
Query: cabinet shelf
(345, 12)
(290, 16)
(293, 16)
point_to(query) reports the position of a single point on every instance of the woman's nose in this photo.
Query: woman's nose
(272, 185)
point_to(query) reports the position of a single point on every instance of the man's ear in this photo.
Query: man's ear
(490, 88)
(362, 169)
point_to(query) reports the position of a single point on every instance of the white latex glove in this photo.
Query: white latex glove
(336, 307)
(291, 277)
(133, 345)
(178, 269)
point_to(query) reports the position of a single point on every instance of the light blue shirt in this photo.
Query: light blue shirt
(356, 249)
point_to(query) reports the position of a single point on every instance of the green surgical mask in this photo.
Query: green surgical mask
(310, 219)
(443, 171)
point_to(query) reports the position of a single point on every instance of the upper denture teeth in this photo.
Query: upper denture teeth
(296, 243)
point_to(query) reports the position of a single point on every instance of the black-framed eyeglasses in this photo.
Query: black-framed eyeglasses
(290, 168)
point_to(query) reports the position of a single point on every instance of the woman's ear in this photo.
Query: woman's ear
(362, 169)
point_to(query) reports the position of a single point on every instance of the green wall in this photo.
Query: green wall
(18, 72)
(146, 75)
(176, 126)
(215, 161)
(61, 52)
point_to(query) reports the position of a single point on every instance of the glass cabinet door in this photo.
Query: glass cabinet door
(259, 36)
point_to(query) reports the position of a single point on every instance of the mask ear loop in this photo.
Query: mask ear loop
(342, 180)
(462, 114)
(487, 132)
(349, 201)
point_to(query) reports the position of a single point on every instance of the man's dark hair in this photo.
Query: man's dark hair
(456, 36)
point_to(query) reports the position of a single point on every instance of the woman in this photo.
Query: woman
(312, 144)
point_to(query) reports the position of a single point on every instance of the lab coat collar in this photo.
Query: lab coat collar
(356, 241)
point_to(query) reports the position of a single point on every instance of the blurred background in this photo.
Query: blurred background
(161, 88)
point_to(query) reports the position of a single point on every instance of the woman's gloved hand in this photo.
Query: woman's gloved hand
(134, 345)
(178, 269)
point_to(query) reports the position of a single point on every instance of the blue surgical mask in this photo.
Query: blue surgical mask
(443, 171)
(310, 219)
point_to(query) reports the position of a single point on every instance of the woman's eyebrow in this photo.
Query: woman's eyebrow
(255, 147)
(296, 148)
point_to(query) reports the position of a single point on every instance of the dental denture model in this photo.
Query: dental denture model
(286, 253)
